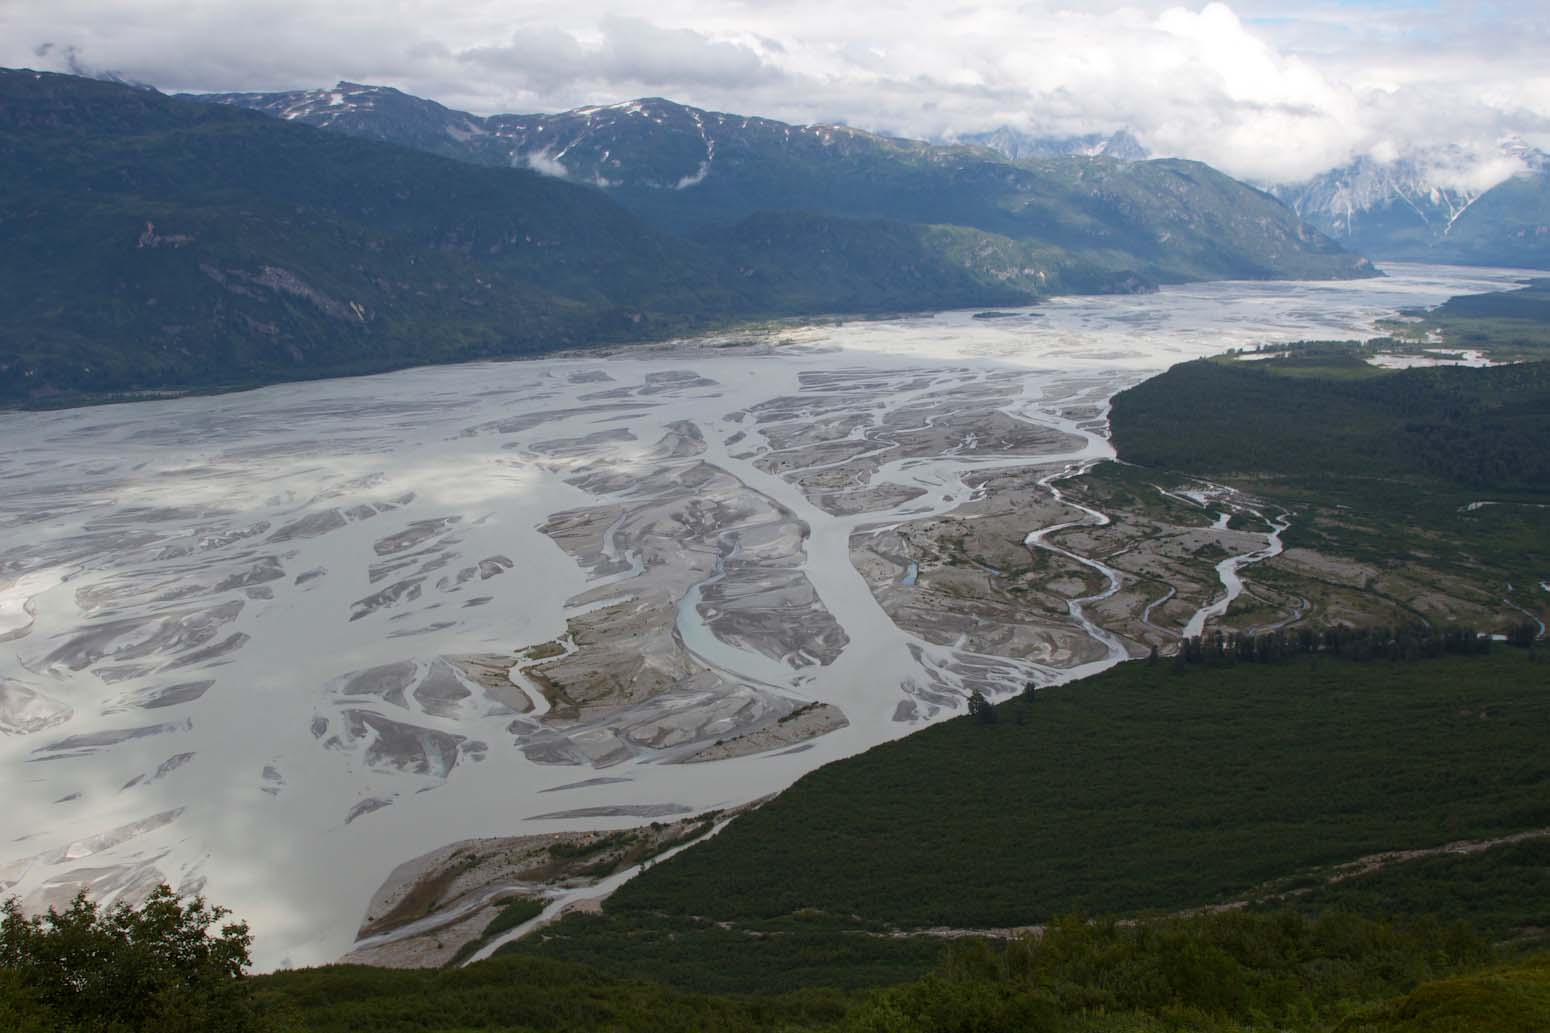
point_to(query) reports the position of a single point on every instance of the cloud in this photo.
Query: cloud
(546, 163)
(542, 58)
(638, 51)
(1267, 91)
(627, 53)
(1478, 175)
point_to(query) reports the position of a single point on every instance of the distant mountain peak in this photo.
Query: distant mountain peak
(1017, 144)
(1534, 159)
(1122, 144)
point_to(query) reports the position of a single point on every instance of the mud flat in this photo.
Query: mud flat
(1170, 540)
(967, 579)
(437, 907)
(805, 722)
(269, 645)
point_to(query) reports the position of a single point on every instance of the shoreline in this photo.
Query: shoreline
(753, 325)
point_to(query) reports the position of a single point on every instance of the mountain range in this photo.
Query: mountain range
(157, 242)
(688, 170)
(1428, 206)
(1423, 206)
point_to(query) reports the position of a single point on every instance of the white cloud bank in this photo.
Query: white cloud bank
(1266, 92)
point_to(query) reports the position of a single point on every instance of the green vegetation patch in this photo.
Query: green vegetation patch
(1505, 324)
(513, 914)
(1506, 999)
(523, 994)
(1328, 360)
(1212, 972)
(1141, 789)
(767, 957)
(1151, 494)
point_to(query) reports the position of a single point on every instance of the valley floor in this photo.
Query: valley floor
(275, 645)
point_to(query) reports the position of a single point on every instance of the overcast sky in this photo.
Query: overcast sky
(1267, 91)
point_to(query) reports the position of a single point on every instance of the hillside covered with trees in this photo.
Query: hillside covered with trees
(154, 243)
(1147, 788)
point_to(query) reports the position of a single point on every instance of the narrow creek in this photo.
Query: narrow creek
(1232, 584)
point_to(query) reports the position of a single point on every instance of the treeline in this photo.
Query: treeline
(1415, 642)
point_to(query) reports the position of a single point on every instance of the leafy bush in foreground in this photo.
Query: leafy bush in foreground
(122, 969)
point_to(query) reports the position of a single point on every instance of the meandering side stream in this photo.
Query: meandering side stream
(1232, 584)
(1112, 583)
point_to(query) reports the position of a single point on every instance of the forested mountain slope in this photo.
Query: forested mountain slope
(151, 242)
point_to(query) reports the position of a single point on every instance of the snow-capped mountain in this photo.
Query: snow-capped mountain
(1533, 159)
(1448, 203)
(378, 113)
(648, 143)
(1344, 200)
(1016, 144)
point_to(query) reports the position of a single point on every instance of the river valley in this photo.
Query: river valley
(268, 646)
